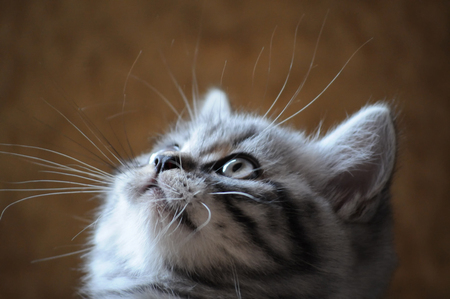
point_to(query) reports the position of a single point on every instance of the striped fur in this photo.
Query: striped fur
(312, 221)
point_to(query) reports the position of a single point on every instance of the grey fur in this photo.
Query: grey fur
(316, 223)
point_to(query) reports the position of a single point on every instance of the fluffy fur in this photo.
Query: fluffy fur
(311, 219)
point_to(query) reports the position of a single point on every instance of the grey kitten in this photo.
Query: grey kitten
(232, 205)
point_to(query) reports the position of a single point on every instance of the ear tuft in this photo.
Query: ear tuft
(358, 157)
(215, 104)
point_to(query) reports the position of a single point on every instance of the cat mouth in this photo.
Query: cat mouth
(151, 186)
(152, 189)
(176, 216)
(167, 211)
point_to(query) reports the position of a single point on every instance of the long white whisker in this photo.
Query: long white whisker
(199, 228)
(61, 255)
(165, 185)
(52, 181)
(166, 229)
(47, 161)
(123, 106)
(178, 225)
(326, 87)
(175, 218)
(189, 237)
(270, 62)
(86, 137)
(87, 173)
(84, 229)
(195, 92)
(129, 75)
(71, 139)
(121, 113)
(306, 75)
(256, 63)
(236, 282)
(164, 98)
(236, 193)
(223, 73)
(78, 176)
(165, 199)
(57, 189)
(289, 72)
(42, 195)
(178, 87)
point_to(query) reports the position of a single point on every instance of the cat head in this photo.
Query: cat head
(227, 191)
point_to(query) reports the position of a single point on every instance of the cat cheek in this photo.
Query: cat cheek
(135, 184)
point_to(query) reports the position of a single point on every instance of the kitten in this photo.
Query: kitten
(231, 205)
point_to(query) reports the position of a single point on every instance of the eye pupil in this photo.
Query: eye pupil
(236, 167)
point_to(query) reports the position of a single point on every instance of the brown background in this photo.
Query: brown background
(55, 53)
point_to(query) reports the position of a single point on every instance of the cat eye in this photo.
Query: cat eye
(239, 168)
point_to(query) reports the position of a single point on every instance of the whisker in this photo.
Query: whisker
(195, 92)
(123, 105)
(178, 225)
(74, 141)
(326, 87)
(78, 176)
(175, 218)
(223, 73)
(42, 195)
(165, 199)
(177, 85)
(236, 193)
(289, 71)
(81, 113)
(84, 229)
(90, 125)
(73, 169)
(57, 189)
(52, 181)
(121, 113)
(49, 181)
(254, 67)
(61, 255)
(199, 228)
(236, 282)
(129, 156)
(270, 63)
(165, 185)
(306, 75)
(159, 94)
(48, 161)
(70, 171)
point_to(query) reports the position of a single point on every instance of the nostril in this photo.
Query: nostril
(169, 165)
(163, 163)
(156, 161)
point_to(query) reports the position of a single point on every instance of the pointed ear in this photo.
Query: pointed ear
(359, 157)
(215, 104)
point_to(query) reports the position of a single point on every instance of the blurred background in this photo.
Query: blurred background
(102, 66)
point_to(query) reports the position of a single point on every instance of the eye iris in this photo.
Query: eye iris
(239, 168)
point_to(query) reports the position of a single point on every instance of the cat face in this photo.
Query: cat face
(237, 195)
(212, 188)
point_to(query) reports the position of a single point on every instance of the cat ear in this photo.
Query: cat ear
(359, 159)
(215, 104)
